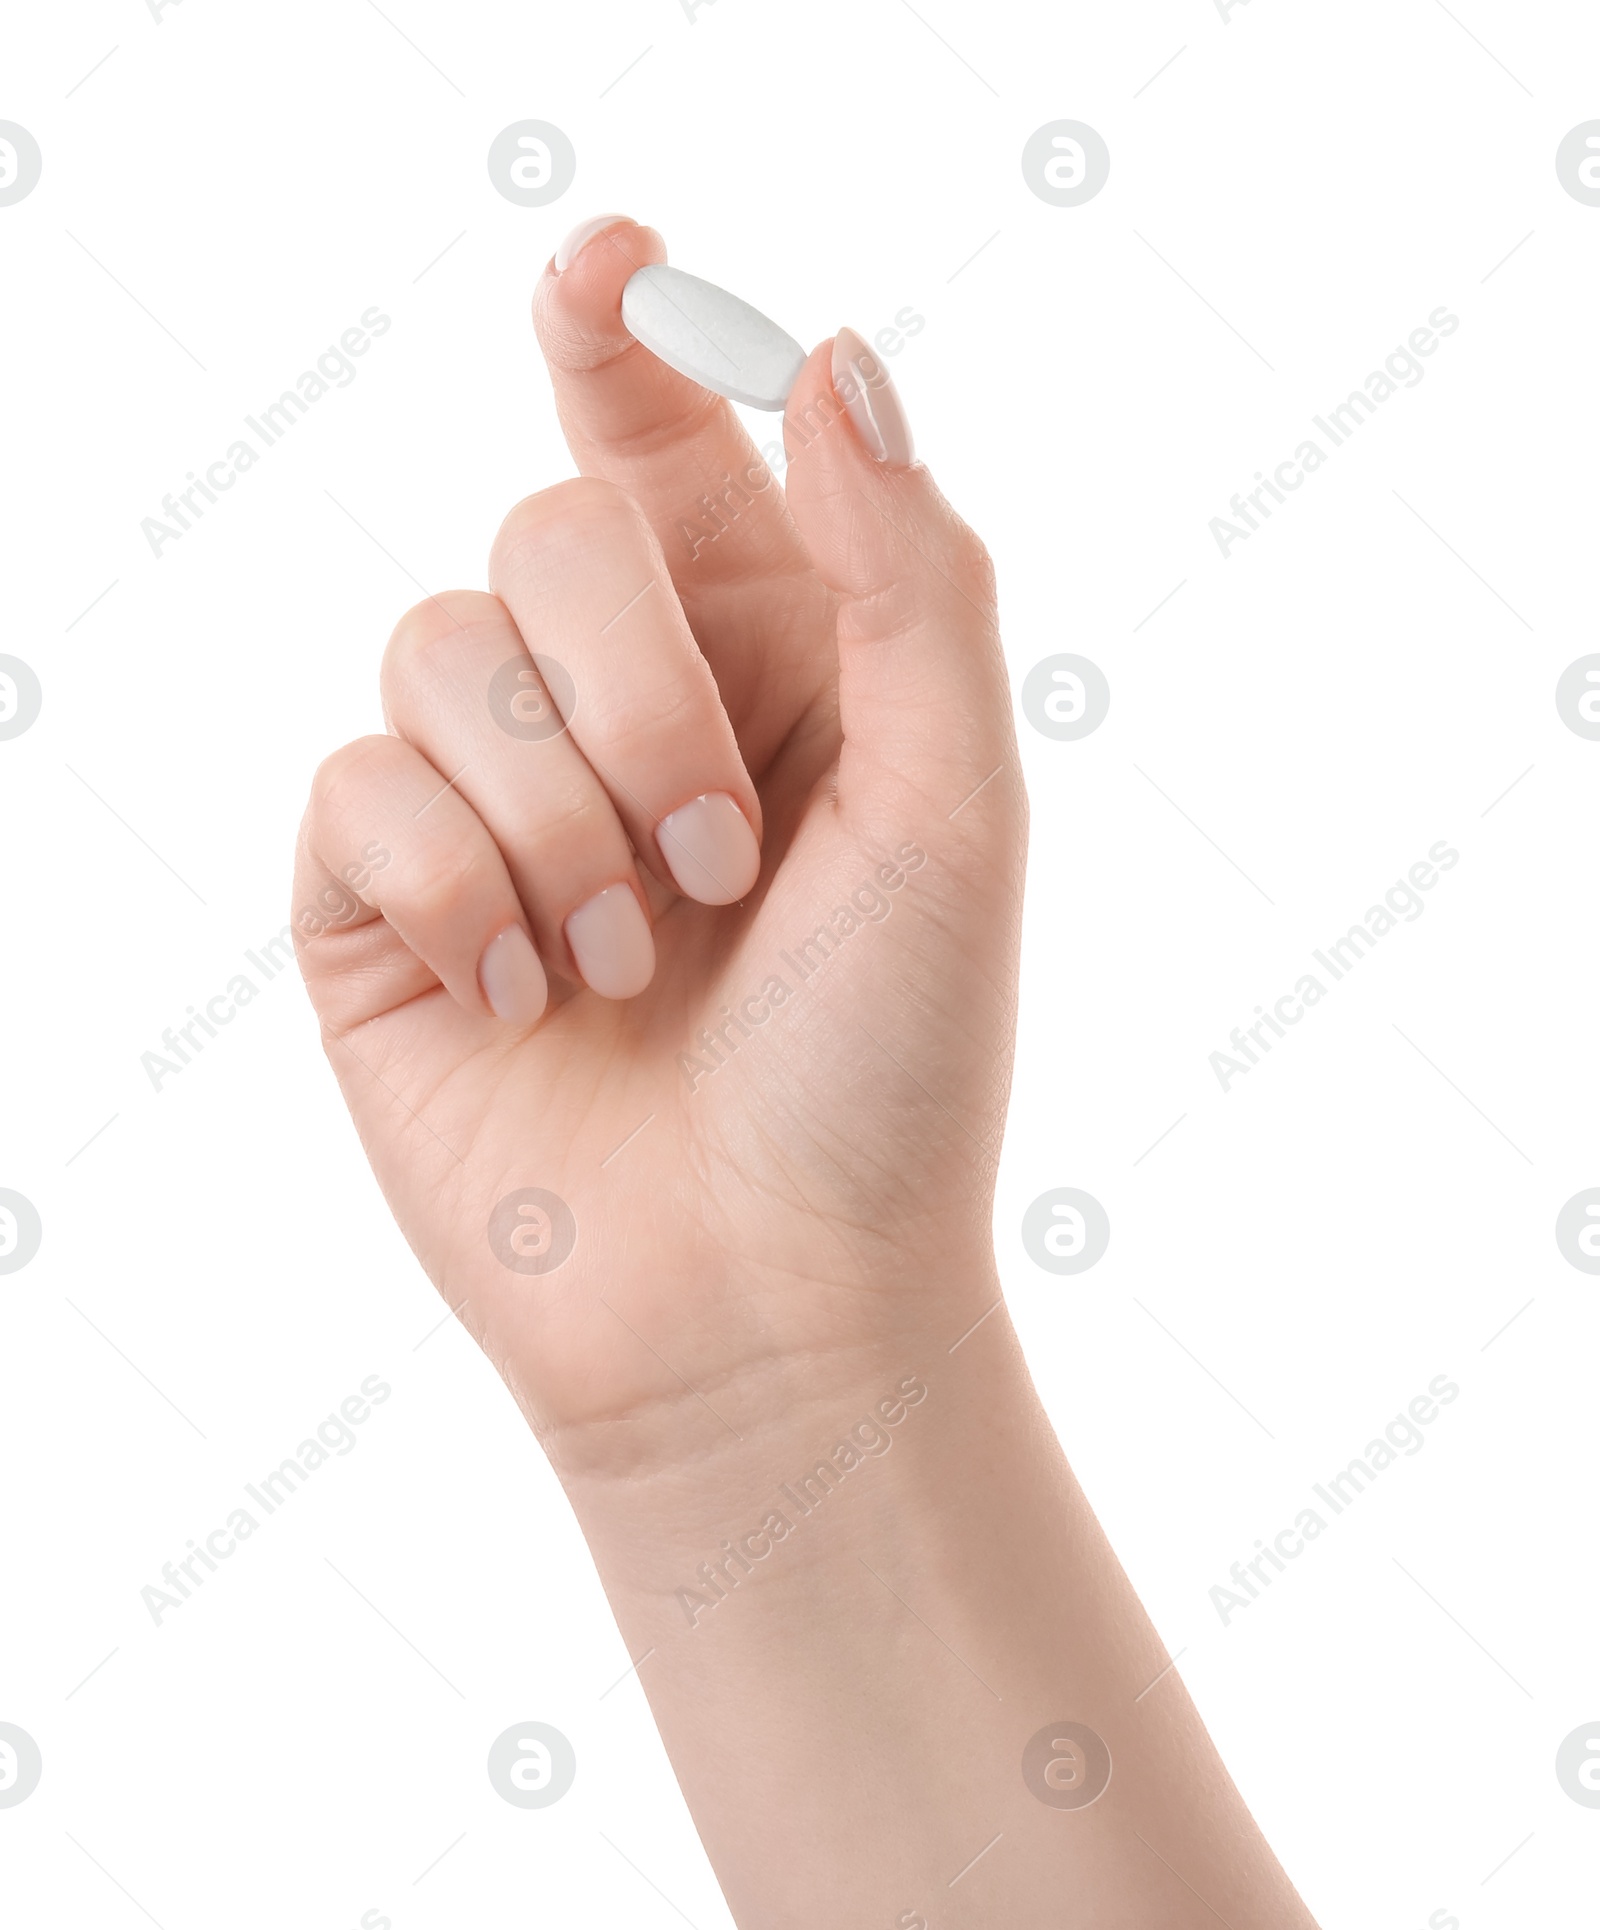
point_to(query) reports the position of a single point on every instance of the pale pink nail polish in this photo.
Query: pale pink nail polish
(710, 849)
(512, 978)
(573, 244)
(610, 939)
(871, 401)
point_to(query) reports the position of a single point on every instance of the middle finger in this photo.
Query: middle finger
(581, 572)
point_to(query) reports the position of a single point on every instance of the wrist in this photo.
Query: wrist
(804, 1462)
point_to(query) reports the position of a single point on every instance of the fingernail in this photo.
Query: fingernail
(512, 978)
(862, 384)
(710, 849)
(574, 244)
(610, 939)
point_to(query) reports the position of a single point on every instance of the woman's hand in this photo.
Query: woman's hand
(679, 1040)
(771, 871)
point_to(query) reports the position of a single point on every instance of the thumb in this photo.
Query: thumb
(923, 694)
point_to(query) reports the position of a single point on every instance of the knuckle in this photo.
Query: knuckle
(697, 415)
(439, 879)
(576, 816)
(442, 623)
(347, 772)
(971, 556)
(634, 723)
(549, 518)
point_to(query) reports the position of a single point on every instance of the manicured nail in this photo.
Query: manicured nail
(512, 978)
(610, 939)
(862, 384)
(710, 849)
(575, 243)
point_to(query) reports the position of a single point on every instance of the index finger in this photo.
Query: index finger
(683, 455)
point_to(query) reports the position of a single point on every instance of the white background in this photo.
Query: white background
(1296, 1259)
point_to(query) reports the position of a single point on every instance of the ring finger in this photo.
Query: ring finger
(459, 685)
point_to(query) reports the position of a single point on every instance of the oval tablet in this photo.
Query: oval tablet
(711, 336)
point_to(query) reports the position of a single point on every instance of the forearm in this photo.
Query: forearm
(847, 1667)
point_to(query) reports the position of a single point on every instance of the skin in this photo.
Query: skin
(800, 1236)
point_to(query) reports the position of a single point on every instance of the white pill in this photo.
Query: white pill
(711, 336)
